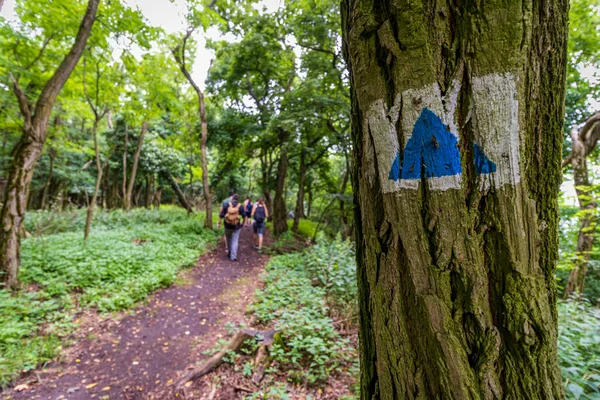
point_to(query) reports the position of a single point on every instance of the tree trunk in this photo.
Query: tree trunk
(206, 187)
(92, 205)
(343, 219)
(179, 54)
(299, 213)
(52, 155)
(27, 151)
(148, 200)
(583, 143)
(180, 196)
(124, 189)
(457, 133)
(106, 187)
(134, 167)
(157, 198)
(279, 209)
(310, 202)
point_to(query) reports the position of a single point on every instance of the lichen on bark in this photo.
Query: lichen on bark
(455, 271)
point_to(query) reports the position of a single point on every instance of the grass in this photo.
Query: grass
(127, 257)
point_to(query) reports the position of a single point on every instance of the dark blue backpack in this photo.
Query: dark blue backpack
(259, 214)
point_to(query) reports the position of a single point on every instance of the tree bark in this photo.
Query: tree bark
(457, 133)
(27, 151)
(345, 178)
(179, 54)
(134, 167)
(299, 213)
(279, 208)
(92, 205)
(148, 200)
(583, 143)
(180, 196)
(157, 198)
(125, 146)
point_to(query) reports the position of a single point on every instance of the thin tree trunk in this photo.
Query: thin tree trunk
(148, 200)
(51, 154)
(27, 151)
(279, 209)
(310, 202)
(92, 205)
(457, 134)
(343, 219)
(299, 213)
(583, 143)
(157, 198)
(179, 54)
(124, 189)
(180, 195)
(136, 159)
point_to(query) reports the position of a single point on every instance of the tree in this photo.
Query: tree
(583, 142)
(99, 109)
(29, 148)
(584, 50)
(255, 75)
(457, 132)
(179, 54)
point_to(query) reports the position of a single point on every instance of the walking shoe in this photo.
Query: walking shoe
(256, 247)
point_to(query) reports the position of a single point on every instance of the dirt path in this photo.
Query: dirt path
(137, 355)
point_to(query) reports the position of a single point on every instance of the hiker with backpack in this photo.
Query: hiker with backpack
(248, 208)
(260, 214)
(233, 213)
(224, 204)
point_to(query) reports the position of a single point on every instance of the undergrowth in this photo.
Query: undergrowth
(126, 258)
(579, 349)
(303, 293)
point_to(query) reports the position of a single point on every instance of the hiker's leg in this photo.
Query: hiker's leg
(261, 232)
(226, 242)
(228, 238)
(233, 247)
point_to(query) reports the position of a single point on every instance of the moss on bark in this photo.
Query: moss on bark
(456, 275)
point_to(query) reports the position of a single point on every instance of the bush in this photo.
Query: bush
(579, 349)
(310, 348)
(332, 266)
(126, 258)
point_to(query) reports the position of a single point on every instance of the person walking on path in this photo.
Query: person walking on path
(233, 214)
(248, 208)
(224, 204)
(260, 213)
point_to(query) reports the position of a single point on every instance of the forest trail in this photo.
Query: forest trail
(142, 352)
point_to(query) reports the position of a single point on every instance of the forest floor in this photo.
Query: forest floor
(138, 354)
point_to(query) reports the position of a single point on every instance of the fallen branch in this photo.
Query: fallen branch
(261, 362)
(265, 339)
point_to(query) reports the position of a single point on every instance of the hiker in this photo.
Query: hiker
(233, 214)
(260, 214)
(248, 209)
(224, 204)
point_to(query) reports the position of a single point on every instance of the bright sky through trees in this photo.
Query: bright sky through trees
(170, 16)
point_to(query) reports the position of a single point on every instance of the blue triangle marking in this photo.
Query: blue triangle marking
(432, 151)
(396, 167)
(483, 165)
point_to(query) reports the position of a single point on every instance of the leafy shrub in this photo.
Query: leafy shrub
(306, 227)
(579, 349)
(310, 348)
(126, 258)
(332, 266)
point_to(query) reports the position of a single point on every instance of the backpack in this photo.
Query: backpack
(233, 215)
(259, 214)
